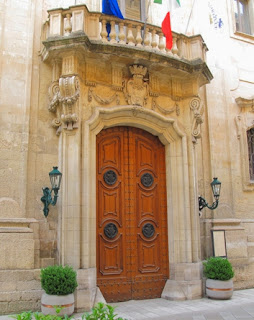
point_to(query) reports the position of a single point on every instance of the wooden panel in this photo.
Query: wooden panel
(110, 204)
(147, 204)
(149, 254)
(110, 153)
(111, 261)
(133, 264)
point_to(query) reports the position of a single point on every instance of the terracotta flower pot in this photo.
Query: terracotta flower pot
(48, 302)
(218, 289)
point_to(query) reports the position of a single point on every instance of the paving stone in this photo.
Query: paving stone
(240, 307)
(227, 316)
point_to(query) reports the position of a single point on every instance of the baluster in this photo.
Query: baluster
(121, 35)
(147, 39)
(138, 37)
(104, 31)
(67, 25)
(130, 37)
(112, 34)
(174, 47)
(161, 43)
(154, 42)
(169, 52)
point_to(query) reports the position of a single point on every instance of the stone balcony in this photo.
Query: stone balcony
(76, 28)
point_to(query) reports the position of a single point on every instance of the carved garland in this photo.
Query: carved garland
(165, 111)
(136, 91)
(92, 94)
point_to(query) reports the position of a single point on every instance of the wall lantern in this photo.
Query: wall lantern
(55, 177)
(216, 184)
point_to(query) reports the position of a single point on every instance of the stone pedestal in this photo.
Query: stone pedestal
(86, 291)
(185, 282)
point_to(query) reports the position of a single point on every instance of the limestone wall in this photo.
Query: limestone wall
(224, 153)
(20, 291)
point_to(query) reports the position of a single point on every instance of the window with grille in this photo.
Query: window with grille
(250, 138)
(242, 12)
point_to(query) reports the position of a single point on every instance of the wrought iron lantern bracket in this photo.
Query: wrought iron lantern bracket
(202, 203)
(55, 179)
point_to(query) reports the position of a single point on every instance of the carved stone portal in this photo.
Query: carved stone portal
(136, 89)
(63, 95)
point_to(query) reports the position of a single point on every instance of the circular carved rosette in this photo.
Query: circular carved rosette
(147, 179)
(110, 230)
(110, 177)
(148, 230)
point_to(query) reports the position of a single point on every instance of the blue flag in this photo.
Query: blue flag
(111, 7)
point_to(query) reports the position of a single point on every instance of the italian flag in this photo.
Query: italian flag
(166, 23)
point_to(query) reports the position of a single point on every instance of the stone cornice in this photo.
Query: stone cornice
(59, 46)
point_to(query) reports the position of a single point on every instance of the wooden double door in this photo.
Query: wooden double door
(132, 242)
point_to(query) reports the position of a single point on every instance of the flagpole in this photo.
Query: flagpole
(190, 17)
(148, 6)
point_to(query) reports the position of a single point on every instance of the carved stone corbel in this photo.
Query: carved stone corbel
(195, 106)
(136, 89)
(63, 95)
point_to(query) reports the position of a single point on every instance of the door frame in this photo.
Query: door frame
(183, 219)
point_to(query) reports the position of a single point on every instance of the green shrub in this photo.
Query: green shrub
(58, 280)
(40, 316)
(101, 312)
(218, 268)
(26, 315)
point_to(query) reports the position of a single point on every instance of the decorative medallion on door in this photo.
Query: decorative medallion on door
(148, 230)
(147, 180)
(110, 177)
(110, 230)
(132, 244)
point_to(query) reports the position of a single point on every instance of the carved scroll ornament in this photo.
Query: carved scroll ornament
(63, 95)
(197, 120)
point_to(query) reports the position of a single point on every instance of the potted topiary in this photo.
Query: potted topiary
(219, 274)
(59, 284)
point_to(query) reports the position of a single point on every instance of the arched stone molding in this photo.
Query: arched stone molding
(173, 136)
(245, 121)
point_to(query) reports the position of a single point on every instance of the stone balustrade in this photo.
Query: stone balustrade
(77, 20)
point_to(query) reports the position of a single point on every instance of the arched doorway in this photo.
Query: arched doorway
(132, 242)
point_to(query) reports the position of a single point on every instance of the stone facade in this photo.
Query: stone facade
(63, 81)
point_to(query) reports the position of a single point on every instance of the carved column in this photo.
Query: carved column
(196, 112)
(71, 141)
(64, 103)
(185, 273)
